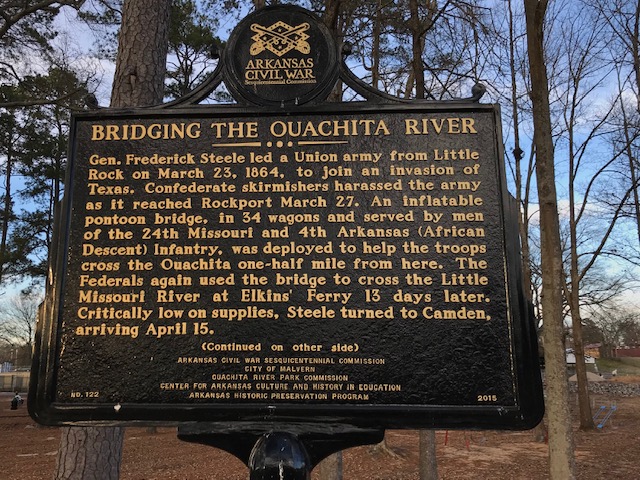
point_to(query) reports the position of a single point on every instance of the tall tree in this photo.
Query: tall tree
(28, 127)
(445, 45)
(18, 322)
(28, 20)
(33, 150)
(612, 323)
(193, 47)
(623, 19)
(625, 139)
(9, 141)
(26, 28)
(509, 23)
(585, 73)
(142, 54)
(96, 452)
(561, 445)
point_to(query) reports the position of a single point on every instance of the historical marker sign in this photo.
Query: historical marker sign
(340, 262)
(281, 56)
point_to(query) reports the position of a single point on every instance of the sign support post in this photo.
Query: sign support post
(279, 456)
(265, 448)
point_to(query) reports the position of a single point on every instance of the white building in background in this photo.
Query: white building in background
(571, 358)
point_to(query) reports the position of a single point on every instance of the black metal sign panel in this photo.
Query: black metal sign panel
(358, 265)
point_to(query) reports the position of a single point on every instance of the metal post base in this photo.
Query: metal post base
(279, 451)
(279, 456)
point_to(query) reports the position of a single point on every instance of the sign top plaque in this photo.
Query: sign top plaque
(281, 55)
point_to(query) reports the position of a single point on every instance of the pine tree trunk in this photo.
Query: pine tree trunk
(417, 43)
(88, 453)
(561, 445)
(142, 54)
(331, 19)
(8, 203)
(634, 39)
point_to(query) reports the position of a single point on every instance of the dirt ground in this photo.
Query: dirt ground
(28, 452)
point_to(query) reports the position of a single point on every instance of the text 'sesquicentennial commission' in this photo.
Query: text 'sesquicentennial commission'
(313, 259)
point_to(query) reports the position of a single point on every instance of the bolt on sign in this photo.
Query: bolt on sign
(284, 257)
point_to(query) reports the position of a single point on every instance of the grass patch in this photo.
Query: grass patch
(630, 366)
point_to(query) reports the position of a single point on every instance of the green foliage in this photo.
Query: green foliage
(20, 29)
(37, 90)
(193, 47)
(33, 151)
(104, 17)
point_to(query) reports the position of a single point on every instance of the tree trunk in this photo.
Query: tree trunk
(375, 48)
(331, 19)
(331, 467)
(635, 50)
(561, 445)
(8, 201)
(572, 291)
(428, 467)
(142, 54)
(584, 404)
(90, 453)
(417, 43)
(522, 193)
(628, 140)
(96, 452)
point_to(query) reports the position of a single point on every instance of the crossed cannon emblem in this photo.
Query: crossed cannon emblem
(280, 38)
